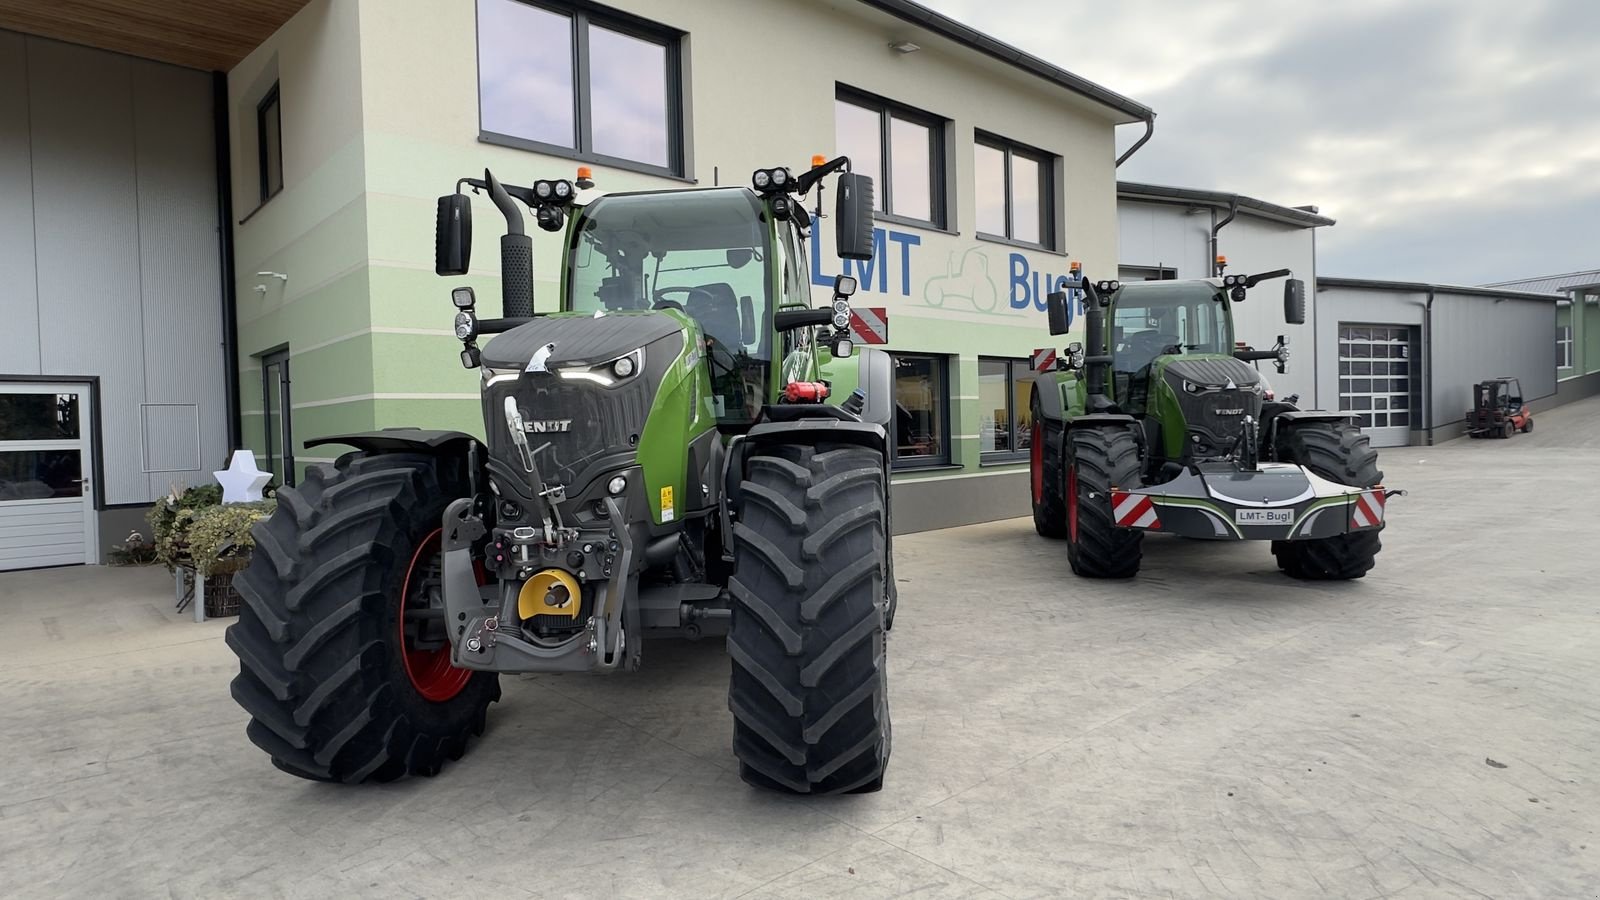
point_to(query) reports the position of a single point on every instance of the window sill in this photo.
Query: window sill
(920, 224)
(903, 469)
(1021, 245)
(1002, 460)
(610, 162)
(260, 206)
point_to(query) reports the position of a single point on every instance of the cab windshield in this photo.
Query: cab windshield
(1159, 318)
(702, 253)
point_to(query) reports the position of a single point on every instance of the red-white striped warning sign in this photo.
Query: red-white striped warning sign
(1133, 511)
(1367, 511)
(1044, 360)
(870, 324)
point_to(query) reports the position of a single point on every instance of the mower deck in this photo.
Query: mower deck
(1278, 502)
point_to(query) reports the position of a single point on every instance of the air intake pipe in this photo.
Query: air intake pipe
(516, 255)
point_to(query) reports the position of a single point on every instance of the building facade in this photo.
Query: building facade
(227, 234)
(1577, 329)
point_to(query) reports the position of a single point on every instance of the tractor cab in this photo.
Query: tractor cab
(1152, 321)
(712, 257)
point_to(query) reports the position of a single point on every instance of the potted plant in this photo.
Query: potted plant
(219, 545)
(171, 517)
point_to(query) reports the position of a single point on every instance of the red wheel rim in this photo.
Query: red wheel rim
(1072, 504)
(430, 671)
(1036, 461)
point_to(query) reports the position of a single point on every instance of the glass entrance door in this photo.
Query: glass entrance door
(46, 491)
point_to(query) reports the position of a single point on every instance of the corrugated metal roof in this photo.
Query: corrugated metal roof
(1159, 193)
(1422, 287)
(1550, 284)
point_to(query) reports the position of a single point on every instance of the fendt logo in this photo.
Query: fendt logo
(545, 426)
(1229, 412)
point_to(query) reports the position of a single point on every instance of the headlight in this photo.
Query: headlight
(841, 320)
(617, 485)
(841, 307)
(623, 367)
(1192, 388)
(465, 325)
(607, 373)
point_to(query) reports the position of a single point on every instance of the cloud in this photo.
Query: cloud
(1454, 140)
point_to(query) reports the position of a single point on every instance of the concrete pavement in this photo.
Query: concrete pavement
(1210, 728)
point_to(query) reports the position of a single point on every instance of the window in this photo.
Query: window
(1563, 346)
(922, 404)
(1005, 417)
(1146, 273)
(278, 436)
(570, 80)
(1015, 191)
(269, 144)
(902, 149)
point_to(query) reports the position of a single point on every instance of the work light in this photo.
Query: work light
(762, 179)
(466, 325)
(463, 298)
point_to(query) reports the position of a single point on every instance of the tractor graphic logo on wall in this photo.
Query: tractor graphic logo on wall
(968, 280)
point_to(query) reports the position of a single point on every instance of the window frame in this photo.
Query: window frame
(584, 14)
(1046, 162)
(1013, 367)
(1563, 346)
(938, 155)
(942, 398)
(284, 448)
(273, 98)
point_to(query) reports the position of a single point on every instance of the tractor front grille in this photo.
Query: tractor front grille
(1214, 396)
(570, 423)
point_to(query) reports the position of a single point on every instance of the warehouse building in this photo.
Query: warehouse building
(1402, 357)
(225, 233)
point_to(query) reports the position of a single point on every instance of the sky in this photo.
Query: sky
(1455, 141)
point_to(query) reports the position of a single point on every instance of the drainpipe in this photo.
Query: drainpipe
(228, 294)
(1149, 129)
(1427, 364)
(1233, 210)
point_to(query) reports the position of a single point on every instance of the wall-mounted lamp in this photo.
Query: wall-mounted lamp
(278, 275)
(903, 47)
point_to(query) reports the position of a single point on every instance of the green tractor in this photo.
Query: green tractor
(685, 449)
(1165, 425)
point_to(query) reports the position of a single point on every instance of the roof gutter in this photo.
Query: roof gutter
(1149, 129)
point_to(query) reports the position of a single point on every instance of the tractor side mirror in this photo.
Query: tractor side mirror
(1294, 301)
(852, 220)
(1055, 305)
(452, 249)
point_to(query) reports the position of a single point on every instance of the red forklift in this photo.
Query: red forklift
(1498, 410)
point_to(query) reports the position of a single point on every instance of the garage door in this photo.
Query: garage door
(46, 494)
(1375, 380)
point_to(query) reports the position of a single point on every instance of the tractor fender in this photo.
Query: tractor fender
(1047, 391)
(875, 377)
(1292, 416)
(401, 440)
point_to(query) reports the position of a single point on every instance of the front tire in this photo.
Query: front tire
(1097, 460)
(1339, 452)
(809, 689)
(336, 687)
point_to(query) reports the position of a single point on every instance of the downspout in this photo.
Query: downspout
(1233, 210)
(1427, 363)
(1149, 129)
(228, 292)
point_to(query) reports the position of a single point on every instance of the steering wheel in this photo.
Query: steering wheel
(661, 301)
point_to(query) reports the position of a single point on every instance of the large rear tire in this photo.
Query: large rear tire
(809, 689)
(339, 684)
(1339, 452)
(1046, 483)
(1098, 459)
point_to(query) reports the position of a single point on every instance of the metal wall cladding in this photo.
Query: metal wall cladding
(108, 244)
(1217, 413)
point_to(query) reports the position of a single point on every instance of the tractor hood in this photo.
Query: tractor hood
(578, 339)
(1213, 395)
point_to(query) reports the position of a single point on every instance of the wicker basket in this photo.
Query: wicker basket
(221, 598)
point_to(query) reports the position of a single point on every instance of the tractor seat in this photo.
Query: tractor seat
(716, 308)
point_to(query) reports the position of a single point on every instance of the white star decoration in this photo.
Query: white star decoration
(241, 481)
